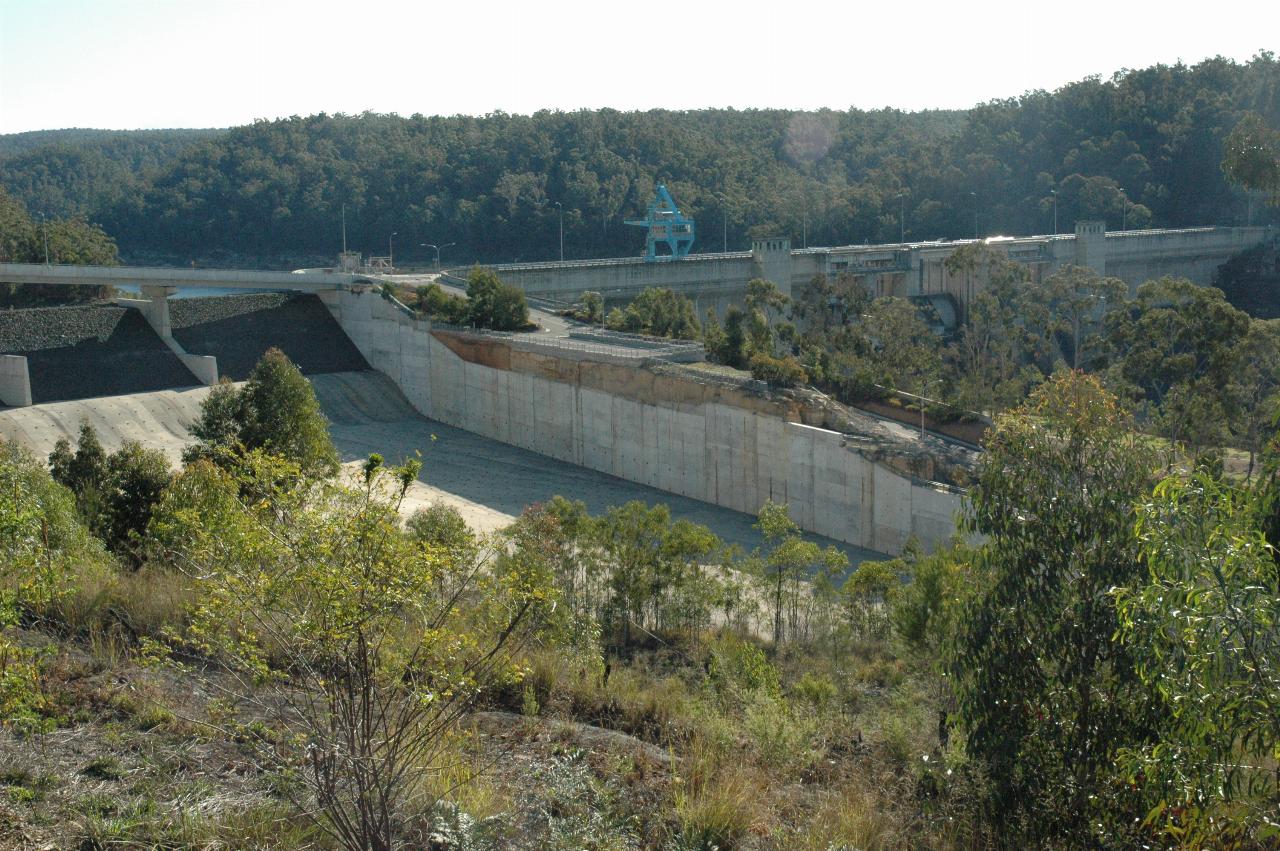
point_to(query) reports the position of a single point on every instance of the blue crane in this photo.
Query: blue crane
(667, 226)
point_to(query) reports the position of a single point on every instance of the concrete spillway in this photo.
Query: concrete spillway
(489, 482)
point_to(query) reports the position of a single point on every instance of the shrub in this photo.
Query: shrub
(494, 304)
(738, 670)
(276, 410)
(437, 304)
(777, 372)
(383, 645)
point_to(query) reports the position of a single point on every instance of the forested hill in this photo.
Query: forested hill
(1145, 146)
(87, 172)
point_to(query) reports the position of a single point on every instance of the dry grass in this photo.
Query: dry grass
(720, 801)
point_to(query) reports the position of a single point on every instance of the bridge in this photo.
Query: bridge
(900, 269)
(156, 286)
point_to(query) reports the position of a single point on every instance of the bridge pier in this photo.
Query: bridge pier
(155, 309)
(15, 381)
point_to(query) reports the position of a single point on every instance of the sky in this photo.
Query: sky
(129, 64)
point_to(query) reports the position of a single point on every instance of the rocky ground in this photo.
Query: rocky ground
(237, 329)
(90, 350)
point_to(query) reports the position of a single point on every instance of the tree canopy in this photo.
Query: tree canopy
(1145, 145)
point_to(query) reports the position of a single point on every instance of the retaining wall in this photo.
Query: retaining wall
(679, 436)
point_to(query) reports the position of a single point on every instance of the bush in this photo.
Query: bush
(437, 304)
(276, 410)
(777, 372)
(494, 304)
(738, 670)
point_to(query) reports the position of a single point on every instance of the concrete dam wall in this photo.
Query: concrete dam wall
(697, 440)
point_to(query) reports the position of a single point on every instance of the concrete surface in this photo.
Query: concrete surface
(490, 483)
(15, 381)
(698, 448)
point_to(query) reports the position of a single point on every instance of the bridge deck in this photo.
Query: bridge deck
(36, 273)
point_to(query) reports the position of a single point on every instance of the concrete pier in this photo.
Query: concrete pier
(15, 381)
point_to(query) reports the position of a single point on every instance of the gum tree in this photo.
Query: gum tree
(1045, 696)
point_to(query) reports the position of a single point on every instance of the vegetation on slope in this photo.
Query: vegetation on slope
(294, 666)
(1141, 148)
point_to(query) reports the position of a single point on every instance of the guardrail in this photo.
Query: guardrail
(551, 265)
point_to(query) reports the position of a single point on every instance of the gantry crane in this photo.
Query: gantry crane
(667, 227)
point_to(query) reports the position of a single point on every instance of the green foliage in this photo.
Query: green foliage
(777, 372)
(925, 610)
(739, 670)
(652, 560)
(1251, 156)
(868, 594)
(485, 182)
(907, 354)
(786, 564)
(136, 477)
(494, 304)
(384, 642)
(42, 542)
(276, 411)
(443, 528)
(592, 308)
(658, 311)
(437, 304)
(730, 348)
(1178, 343)
(1203, 634)
(114, 493)
(1046, 698)
(72, 240)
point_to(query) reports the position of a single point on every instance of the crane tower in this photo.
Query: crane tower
(667, 227)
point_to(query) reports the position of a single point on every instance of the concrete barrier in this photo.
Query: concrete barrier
(698, 443)
(15, 381)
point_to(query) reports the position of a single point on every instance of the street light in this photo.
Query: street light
(928, 382)
(974, 195)
(437, 249)
(560, 209)
(391, 257)
(1054, 193)
(44, 229)
(724, 206)
(902, 211)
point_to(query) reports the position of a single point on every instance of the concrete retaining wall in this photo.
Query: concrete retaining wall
(708, 450)
(15, 381)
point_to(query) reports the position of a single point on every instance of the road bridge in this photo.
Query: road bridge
(156, 285)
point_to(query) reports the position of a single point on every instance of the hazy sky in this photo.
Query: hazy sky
(216, 63)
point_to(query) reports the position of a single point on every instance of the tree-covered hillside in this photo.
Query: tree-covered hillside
(1142, 148)
(85, 172)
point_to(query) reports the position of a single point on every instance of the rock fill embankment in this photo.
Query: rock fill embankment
(238, 329)
(85, 351)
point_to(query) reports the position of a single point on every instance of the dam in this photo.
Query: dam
(503, 421)
(570, 410)
(905, 269)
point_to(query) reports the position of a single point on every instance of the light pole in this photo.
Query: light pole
(437, 249)
(1124, 210)
(974, 196)
(724, 206)
(560, 210)
(902, 213)
(44, 230)
(1054, 193)
(927, 384)
(391, 257)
